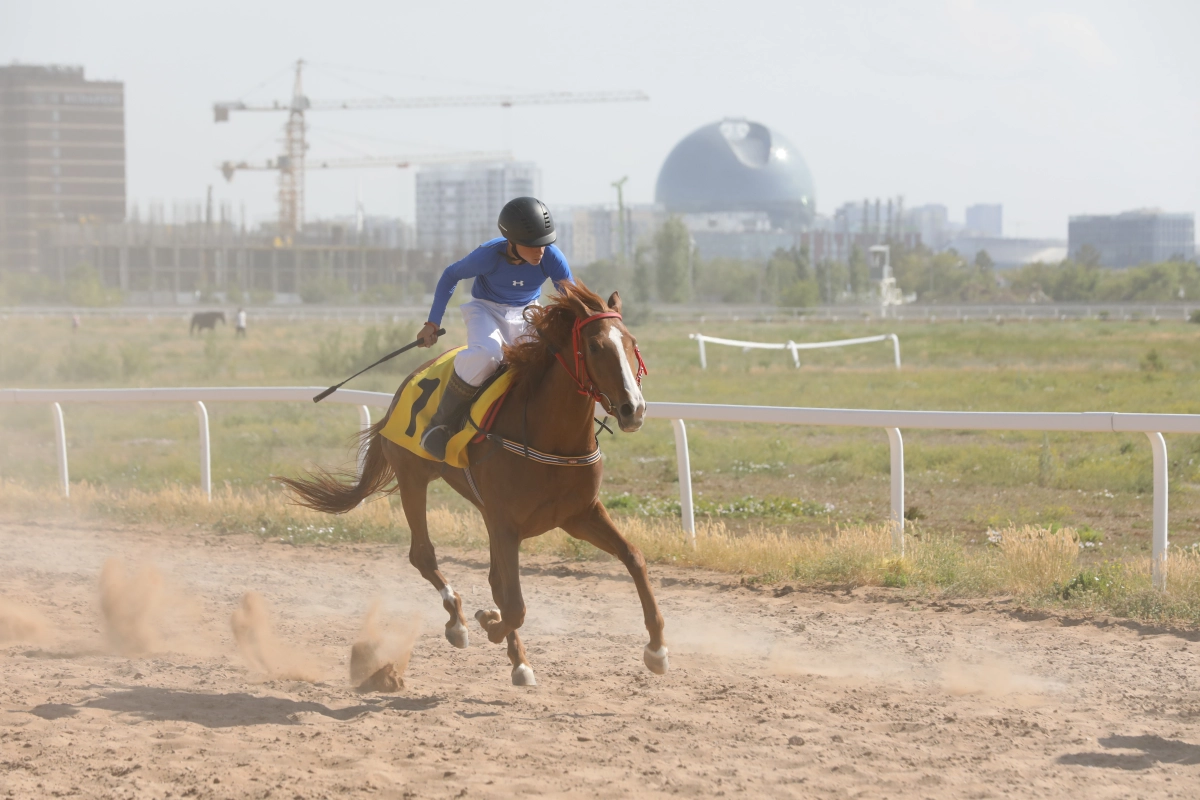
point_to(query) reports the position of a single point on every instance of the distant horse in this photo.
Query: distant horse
(579, 353)
(206, 320)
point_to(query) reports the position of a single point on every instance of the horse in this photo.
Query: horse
(206, 320)
(518, 478)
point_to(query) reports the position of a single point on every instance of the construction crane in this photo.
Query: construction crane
(230, 168)
(291, 163)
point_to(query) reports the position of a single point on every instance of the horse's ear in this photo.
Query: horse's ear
(577, 305)
(614, 302)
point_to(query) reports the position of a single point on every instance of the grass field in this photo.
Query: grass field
(793, 481)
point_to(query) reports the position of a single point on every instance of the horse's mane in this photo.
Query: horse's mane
(549, 323)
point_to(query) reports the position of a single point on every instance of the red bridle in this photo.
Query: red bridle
(589, 389)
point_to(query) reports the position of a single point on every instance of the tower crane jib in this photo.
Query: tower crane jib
(291, 164)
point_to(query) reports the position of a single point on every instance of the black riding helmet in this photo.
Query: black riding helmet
(526, 221)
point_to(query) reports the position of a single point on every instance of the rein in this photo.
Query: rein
(580, 372)
(588, 389)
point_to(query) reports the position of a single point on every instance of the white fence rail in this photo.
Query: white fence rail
(794, 347)
(1153, 425)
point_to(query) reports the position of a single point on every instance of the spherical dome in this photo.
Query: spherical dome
(737, 165)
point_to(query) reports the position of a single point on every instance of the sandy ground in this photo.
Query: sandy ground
(771, 692)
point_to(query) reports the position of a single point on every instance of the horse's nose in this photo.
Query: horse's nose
(629, 415)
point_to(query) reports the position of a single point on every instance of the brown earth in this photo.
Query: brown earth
(771, 692)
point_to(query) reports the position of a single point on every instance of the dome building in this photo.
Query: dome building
(738, 169)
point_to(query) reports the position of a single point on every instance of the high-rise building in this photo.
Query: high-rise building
(985, 219)
(933, 223)
(1133, 237)
(62, 155)
(587, 234)
(458, 204)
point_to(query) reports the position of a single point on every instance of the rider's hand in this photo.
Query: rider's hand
(428, 335)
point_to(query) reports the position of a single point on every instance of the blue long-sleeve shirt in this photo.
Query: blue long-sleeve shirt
(496, 279)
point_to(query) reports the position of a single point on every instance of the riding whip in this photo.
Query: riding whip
(393, 354)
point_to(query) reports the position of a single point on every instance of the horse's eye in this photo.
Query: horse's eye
(593, 347)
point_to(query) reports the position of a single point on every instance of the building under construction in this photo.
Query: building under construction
(196, 256)
(62, 156)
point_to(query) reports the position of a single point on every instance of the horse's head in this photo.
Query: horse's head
(612, 361)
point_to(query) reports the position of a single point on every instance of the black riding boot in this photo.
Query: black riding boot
(454, 403)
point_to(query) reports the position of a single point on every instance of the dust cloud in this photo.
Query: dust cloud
(132, 607)
(380, 657)
(990, 677)
(255, 637)
(20, 624)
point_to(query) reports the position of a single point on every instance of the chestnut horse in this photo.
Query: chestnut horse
(579, 352)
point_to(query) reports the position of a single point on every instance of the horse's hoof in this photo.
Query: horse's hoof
(484, 617)
(522, 675)
(656, 660)
(456, 635)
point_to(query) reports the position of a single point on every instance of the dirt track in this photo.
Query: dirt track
(800, 695)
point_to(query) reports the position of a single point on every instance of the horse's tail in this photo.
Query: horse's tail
(339, 492)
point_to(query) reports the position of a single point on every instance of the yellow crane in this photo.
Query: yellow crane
(292, 163)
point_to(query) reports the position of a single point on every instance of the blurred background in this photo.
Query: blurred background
(290, 153)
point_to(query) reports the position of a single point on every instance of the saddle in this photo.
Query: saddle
(419, 400)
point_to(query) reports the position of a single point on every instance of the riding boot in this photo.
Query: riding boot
(454, 403)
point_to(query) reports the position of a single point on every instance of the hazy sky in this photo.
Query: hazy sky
(1051, 108)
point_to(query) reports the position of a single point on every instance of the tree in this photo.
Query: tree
(984, 263)
(672, 248)
(1088, 256)
(789, 279)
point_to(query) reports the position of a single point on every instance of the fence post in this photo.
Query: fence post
(684, 465)
(1158, 551)
(795, 353)
(60, 447)
(895, 347)
(205, 452)
(364, 422)
(896, 445)
(703, 359)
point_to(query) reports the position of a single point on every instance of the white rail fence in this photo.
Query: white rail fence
(1152, 425)
(794, 347)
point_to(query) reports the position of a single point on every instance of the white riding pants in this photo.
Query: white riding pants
(490, 326)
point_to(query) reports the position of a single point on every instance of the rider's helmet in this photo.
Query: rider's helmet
(526, 221)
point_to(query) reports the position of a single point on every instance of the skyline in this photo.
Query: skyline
(1075, 110)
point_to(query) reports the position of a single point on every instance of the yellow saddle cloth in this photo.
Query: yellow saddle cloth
(420, 399)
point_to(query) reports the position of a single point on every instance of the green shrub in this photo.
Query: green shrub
(88, 363)
(1152, 362)
(331, 356)
(135, 359)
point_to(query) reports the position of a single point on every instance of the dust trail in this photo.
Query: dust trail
(256, 640)
(856, 664)
(132, 607)
(380, 656)
(20, 624)
(991, 677)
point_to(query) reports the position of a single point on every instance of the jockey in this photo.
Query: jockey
(508, 273)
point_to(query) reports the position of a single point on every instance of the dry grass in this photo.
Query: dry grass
(1035, 565)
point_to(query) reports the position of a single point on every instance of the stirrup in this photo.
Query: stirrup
(435, 440)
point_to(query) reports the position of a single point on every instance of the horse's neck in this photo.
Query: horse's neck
(559, 417)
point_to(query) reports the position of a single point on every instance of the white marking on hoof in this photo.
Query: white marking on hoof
(456, 635)
(447, 594)
(522, 675)
(656, 660)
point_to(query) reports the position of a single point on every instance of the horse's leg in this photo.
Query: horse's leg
(501, 623)
(413, 476)
(595, 526)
